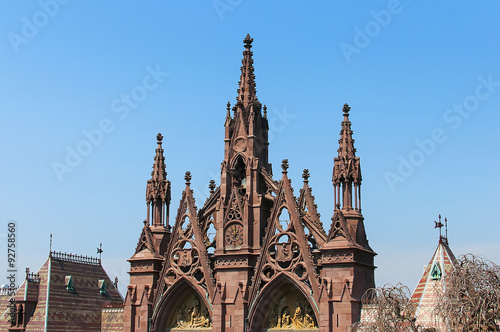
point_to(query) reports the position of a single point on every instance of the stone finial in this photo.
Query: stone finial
(248, 41)
(145, 222)
(228, 106)
(284, 166)
(159, 137)
(346, 109)
(211, 186)
(265, 111)
(188, 178)
(306, 175)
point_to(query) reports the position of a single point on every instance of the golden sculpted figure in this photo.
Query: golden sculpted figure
(192, 317)
(299, 320)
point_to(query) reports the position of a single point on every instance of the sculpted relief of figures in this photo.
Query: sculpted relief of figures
(191, 315)
(291, 312)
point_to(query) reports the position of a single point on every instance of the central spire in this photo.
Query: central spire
(246, 89)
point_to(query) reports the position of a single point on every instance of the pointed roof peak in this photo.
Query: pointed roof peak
(440, 265)
(246, 89)
(346, 142)
(159, 173)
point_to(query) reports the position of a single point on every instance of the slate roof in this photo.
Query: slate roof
(59, 308)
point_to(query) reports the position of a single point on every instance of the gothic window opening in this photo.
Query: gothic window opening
(186, 224)
(310, 238)
(284, 219)
(20, 315)
(239, 175)
(69, 284)
(436, 273)
(210, 238)
(102, 287)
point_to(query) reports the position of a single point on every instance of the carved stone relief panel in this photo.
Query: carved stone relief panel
(190, 315)
(291, 312)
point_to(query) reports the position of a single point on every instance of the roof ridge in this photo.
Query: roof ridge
(73, 258)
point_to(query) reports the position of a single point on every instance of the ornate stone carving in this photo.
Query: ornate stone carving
(291, 312)
(141, 266)
(231, 262)
(240, 144)
(339, 257)
(191, 315)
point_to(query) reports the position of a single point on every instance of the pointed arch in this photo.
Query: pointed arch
(271, 298)
(186, 256)
(338, 230)
(165, 311)
(237, 158)
(285, 251)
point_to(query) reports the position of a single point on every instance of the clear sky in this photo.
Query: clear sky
(86, 86)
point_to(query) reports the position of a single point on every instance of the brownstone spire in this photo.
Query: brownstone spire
(346, 142)
(347, 169)
(159, 173)
(158, 189)
(147, 261)
(246, 90)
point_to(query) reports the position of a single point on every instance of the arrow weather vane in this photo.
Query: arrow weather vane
(99, 251)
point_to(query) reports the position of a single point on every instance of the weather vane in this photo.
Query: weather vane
(99, 251)
(440, 225)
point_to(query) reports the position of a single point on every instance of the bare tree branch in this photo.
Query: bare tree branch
(388, 309)
(470, 298)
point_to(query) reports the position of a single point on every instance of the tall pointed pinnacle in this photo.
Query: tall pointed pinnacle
(347, 169)
(158, 189)
(247, 93)
(159, 173)
(346, 142)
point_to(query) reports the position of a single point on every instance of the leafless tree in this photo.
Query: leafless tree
(470, 298)
(388, 309)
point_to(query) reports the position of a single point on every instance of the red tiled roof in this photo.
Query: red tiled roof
(426, 292)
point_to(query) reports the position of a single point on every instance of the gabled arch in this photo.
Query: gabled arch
(173, 298)
(236, 158)
(269, 296)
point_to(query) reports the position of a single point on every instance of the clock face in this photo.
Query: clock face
(234, 235)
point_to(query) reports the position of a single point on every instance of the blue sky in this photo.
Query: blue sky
(422, 78)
